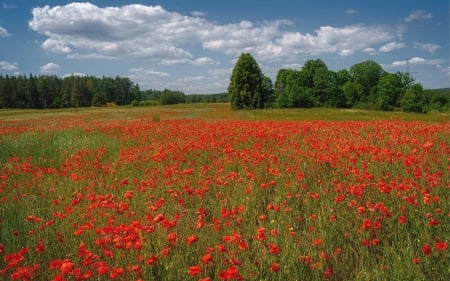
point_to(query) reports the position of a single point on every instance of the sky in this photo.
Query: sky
(193, 45)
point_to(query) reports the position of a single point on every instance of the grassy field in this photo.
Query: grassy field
(200, 192)
(222, 111)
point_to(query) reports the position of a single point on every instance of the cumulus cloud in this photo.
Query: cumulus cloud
(343, 41)
(83, 30)
(4, 32)
(49, 68)
(389, 47)
(427, 47)
(9, 66)
(418, 15)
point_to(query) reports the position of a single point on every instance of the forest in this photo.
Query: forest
(365, 86)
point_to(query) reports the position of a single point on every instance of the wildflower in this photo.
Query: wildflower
(172, 238)
(116, 272)
(194, 270)
(317, 242)
(441, 245)
(275, 267)
(426, 249)
(402, 219)
(207, 259)
(274, 249)
(66, 266)
(191, 239)
(128, 195)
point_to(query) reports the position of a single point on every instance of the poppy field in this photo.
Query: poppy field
(202, 199)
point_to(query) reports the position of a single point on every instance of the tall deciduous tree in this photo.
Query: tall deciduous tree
(367, 74)
(413, 99)
(246, 89)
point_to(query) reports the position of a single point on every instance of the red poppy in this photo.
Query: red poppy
(194, 270)
(275, 267)
(274, 249)
(191, 239)
(207, 259)
(426, 249)
(116, 272)
(402, 219)
(317, 242)
(441, 245)
(66, 266)
(172, 238)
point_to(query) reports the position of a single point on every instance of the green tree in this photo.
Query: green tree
(352, 92)
(284, 80)
(315, 76)
(267, 97)
(246, 84)
(413, 99)
(367, 74)
(388, 92)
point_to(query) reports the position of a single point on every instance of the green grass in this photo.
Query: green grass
(222, 111)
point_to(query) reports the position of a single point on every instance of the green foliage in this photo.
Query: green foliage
(437, 100)
(413, 99)
(248, 89)
(207, 98)
(365, 86)
(42, 92)
(388, 92)
(171, 97)
(367, 74)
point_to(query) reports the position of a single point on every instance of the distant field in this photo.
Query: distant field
(221, 111)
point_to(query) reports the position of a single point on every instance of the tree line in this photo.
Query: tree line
(365, 85)
(41, 92)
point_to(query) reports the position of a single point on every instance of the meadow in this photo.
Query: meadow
(200, 192)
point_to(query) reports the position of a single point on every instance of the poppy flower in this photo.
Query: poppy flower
(172, 238)
(66, 266)
(274, 267)
(191, 239)
(441, 245)
(426, 249)
(207, 259)
(194, 270)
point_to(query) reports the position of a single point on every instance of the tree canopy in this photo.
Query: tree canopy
(249, 88)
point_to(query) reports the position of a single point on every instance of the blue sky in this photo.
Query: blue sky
(192, 45)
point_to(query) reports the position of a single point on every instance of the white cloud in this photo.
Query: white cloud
(75, 74)
(49, 68)
(83, 30)
(198, 14)
(148, 72)
(343, 41)
(9, 66)
(415, 61)
(198, 61)
(370, 51)
(389, 47)
(418, 15)
(427, 47)
(4, 32)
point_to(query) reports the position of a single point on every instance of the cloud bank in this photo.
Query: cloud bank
(83, 30)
